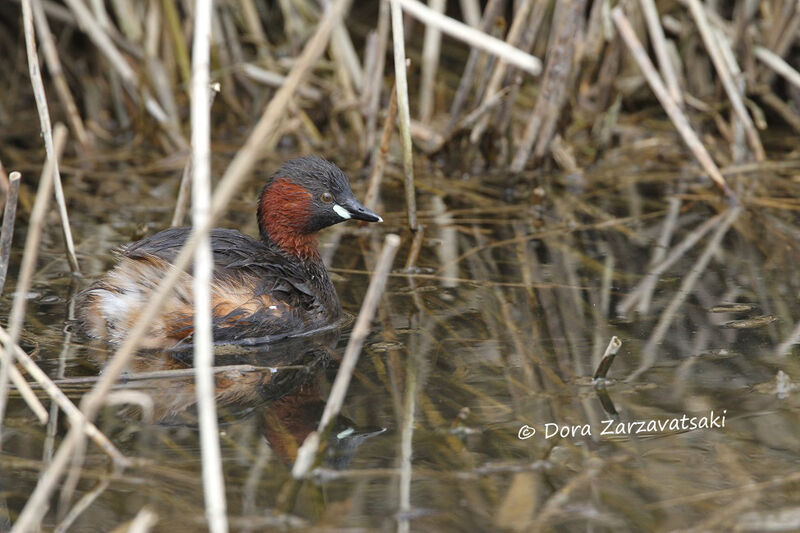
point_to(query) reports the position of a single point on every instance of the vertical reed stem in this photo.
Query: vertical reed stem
(213, 480)
(402, 106)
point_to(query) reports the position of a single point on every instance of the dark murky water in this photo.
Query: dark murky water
(498, 330)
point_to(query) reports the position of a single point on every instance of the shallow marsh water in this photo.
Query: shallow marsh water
(497, 329)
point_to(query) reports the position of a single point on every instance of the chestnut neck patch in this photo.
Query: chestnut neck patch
(286, 212)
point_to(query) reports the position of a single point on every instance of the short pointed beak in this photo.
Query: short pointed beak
(359, 212)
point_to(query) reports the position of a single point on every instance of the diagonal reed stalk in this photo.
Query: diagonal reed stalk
(307, 454)
(47, 130)
(471, 36)
(26, 270)
(673, 111)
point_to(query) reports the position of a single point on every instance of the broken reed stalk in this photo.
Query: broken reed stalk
(687, 285)
(660, 47)
(673, 111)
(47, 129)
(213, 480)
(7, 235)
(27, 267)
(716, 54)
(608, 357)
(261, 140)
(471, 36)
(376, 176)
(307, 452)
(401, 86)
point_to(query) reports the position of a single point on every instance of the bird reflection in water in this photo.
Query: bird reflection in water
(277, 382)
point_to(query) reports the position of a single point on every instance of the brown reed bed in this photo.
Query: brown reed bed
(553, 179)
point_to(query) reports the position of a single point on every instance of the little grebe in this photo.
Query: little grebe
(260, 287)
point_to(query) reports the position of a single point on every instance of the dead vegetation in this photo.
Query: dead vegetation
(563, 173)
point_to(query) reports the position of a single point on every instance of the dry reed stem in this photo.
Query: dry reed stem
(738, 134)
(713, 46)
(401, 86)
(253, 23)
(344, 52)
(182, 373)
(471, 11)
(81, 505)
(673, 111)
(47, 130)
(97, 34)
(660, 47)
(54, 66)
(687, 285)
(144, 520)
(659, 252)
(471, 36)
(374, 84)
(176, 35)
(273, 79)
(407, 443)
(518, 24)
(141, 399)
(27, 267)
(307, 452)
(351, 112)
(376, 176)
(7, 235)
(185, 187)
(262, 139)
(487, 106)
(60, 399)
(552, 95)
(676, 253)
(25, 391)
(414, 250)
(467, 78)
(430, 64)
(608, 357)
(202, 273)
(184, 191)
(776, 63)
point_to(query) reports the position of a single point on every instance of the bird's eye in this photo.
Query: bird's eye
(326, 197)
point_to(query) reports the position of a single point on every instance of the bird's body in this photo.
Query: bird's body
(277, 284)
